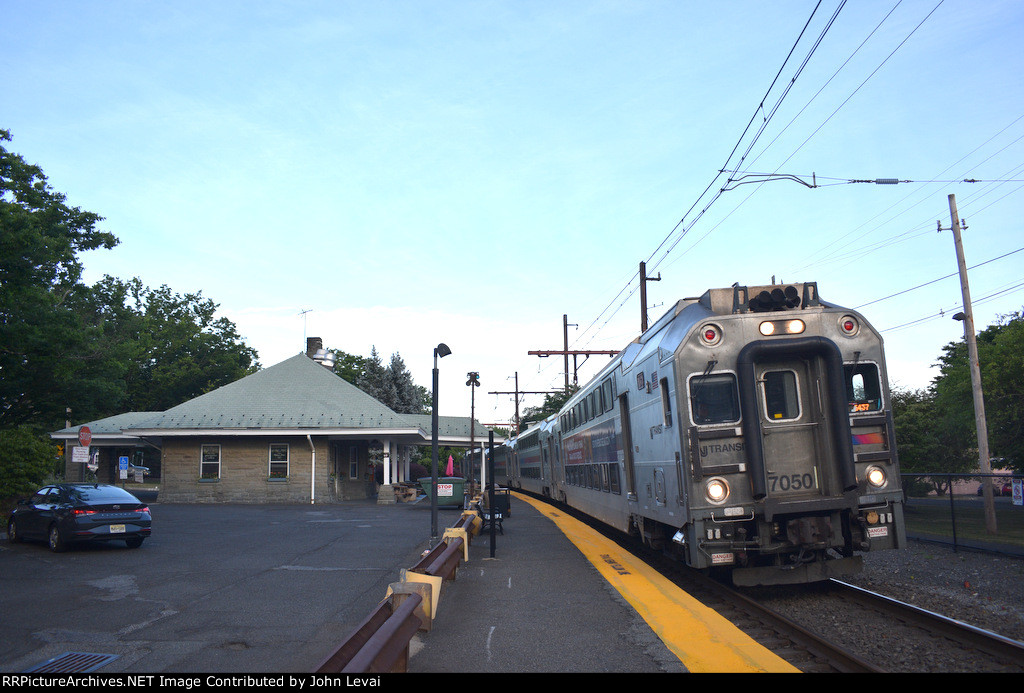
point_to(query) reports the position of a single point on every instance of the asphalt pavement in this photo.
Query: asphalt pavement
(217, 588)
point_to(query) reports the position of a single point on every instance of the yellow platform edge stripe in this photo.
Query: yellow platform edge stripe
(703, 640)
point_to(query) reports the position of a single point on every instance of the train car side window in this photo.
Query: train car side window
(863, 387)
(714, 399)
(780, 396)
(613, 477)
(666, 402)
(609, 400)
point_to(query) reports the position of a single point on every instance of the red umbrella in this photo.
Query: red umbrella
(450, 470)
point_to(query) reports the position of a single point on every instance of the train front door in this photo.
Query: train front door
(791, 427)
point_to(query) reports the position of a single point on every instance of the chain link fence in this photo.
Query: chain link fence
(950, 508)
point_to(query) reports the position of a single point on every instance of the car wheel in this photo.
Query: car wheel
(56, 541)
(134, 542)
(12, 532)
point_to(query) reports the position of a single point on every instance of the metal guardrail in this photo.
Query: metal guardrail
(380, 644)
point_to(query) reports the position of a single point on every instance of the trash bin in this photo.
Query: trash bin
(450, 490)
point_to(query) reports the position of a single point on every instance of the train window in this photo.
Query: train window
(609, 400)
(863, 387)
(666, 402)
(586, 409)
(780, 397)
(613, 477)
(714, 399)
(604, 477)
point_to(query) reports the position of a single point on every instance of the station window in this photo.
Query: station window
(353, 462)
(209, 462)
(714, 399)
(863, 387)
(279, 461)
(780, 396)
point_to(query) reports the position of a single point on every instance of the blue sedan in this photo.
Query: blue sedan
(64, 514)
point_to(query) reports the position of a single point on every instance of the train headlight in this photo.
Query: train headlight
(876, 476)
(771, 327)
(716, 490)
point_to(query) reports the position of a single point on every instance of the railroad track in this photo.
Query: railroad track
(1001, 653)
(806, 650)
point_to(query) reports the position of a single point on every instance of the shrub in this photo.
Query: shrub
(25, 461)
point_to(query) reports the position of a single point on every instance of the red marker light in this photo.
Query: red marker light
(710, 335)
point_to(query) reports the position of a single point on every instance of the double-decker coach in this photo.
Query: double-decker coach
(748, 429)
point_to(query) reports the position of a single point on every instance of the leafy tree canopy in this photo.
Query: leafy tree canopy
(97, 350)
(553, 403)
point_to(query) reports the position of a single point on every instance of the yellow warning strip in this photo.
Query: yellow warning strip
(702, 639)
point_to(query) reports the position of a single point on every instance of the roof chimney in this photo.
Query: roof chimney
(313, 345)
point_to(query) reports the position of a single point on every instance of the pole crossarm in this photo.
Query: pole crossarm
(561, 352)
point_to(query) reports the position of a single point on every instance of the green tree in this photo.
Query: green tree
(392, 385)
(25, 461)
(916, 440)
(1001, 359)
(169, 347)
(410, 398)
(348, 366)
(375, 380)
(1003, 377)
(97, 350)
(47, 359)
(553, 403)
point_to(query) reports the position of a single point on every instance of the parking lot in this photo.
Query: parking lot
(217, 588)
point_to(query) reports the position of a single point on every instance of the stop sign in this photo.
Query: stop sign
(84, 436)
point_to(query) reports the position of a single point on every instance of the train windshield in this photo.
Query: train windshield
(863, 387)
(780, 395)
(714, 399)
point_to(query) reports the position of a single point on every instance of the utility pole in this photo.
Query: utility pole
(643, 294)
(520, 392)
(575, 353)
(565, 347)
(972, 356)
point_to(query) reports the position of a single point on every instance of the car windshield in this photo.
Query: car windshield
(100, 494)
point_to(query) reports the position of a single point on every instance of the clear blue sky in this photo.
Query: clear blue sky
(419, 172)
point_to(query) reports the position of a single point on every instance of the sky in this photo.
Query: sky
(393, 175)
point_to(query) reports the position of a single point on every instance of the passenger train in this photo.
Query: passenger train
(749, 429)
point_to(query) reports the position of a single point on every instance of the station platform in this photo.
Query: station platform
(557, 597)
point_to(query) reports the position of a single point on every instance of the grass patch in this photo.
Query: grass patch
(937, 519)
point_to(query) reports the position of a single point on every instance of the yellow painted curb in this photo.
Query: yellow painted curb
(703, 640)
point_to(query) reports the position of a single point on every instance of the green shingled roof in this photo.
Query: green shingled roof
(297, 393)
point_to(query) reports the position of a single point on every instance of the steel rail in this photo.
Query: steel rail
(958, 631)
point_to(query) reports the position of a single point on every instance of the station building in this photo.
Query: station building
(293, 432)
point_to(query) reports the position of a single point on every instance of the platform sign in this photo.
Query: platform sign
(1018, 491)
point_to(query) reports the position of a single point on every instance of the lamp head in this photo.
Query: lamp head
(442, 350)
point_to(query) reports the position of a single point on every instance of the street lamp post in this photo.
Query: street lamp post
(440, 351)
(473, 383)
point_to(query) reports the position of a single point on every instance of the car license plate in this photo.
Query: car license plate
(117, 529)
